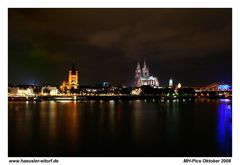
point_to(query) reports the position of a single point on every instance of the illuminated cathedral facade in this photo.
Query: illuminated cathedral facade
(73, 79)
(142, 76)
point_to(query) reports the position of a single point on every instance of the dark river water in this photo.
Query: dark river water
(120, 128)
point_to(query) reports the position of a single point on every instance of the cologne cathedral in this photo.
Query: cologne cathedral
(142, 76)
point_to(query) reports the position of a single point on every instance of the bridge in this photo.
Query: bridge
(214, 90)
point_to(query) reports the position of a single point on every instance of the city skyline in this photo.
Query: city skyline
(193, 46)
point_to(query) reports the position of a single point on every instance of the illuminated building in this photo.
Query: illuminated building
(21, 92)
(72, 80)
(142, 76)
(170, 82)
(73, 77)
(136, 91)
(179, 85)
(52, 91)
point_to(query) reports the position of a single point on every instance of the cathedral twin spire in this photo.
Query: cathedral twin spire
(142, 76)
(142, 72)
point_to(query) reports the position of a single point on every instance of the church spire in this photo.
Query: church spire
(138, 75)
(144, 64)
(145, 70)
(138, 66)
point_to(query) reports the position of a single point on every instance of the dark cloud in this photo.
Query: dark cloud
(106, 44)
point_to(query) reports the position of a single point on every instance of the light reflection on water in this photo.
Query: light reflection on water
(224, 129)
(120, 128)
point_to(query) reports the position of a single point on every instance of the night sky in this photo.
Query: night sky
(192, 46)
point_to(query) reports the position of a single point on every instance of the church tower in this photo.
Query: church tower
(138, 75)
(170, 83)
(145, 71)
(73, 77)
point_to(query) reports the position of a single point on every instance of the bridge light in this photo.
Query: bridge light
(224, 87)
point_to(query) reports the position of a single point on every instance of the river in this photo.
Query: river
(195, 128)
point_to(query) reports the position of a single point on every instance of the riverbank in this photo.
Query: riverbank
(117, 97)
